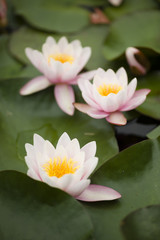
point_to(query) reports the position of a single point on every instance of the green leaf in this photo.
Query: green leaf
(142, 224)
(128, 7)
(151, 81)
(154, 133)
(52, 15)
(22, 116)
(134, 173)
(92, 36)
(9, 68)
(32, 210)
(132, 31)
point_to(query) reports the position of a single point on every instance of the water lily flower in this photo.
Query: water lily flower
(60, 64)
(110, 95)
(67, 167)
(137, 61)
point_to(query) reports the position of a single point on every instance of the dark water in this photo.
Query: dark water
(135, 131)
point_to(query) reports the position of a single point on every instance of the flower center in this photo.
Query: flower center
(63, 58)
(58, 167)
(105, 90)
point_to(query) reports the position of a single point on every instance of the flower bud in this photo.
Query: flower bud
(137, 61)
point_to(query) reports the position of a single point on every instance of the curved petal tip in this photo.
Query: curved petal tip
(96, 193)
(117, 118)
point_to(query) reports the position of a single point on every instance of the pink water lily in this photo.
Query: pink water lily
(110, 95)
(60, 64)
(67, 167)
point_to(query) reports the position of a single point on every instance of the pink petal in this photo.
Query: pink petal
(117, 118)
(90, 111)
(96, 193)
(137, 99)
(35, 85)
(65, 98)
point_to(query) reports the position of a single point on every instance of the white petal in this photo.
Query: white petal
(77, 188)
(83, 59)
(38, 142)
(96, 193)
(89, 149)
(73, 148)
(89, 166)
(50, 41)
(65, 98)
(35, 85)
(122, 76)
(131, 88)
(64, 140)
(62, 43)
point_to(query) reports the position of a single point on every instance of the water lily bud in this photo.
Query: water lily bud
(98, 17)
(137, 61)
(115, 2)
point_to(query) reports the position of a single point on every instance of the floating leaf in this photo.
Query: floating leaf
(142, 224)
(52, 15)
(132, 31)
(94, 37)
(151, 106)
(134, 173)
(154, 133)
(22, 116)
(9, 67)
(128, 7)
(32, 210)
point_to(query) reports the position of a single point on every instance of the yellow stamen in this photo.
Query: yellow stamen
(63, 58)
(59, 167)
(105, 90)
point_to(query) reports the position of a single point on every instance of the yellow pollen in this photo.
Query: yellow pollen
(59, 167)
(105, 90)
(63, 58)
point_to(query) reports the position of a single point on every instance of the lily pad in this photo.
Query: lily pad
(9, 67)
(37, 112)
(134, 172)
(151, 106)
(128, 7)
(94, 36)
(133, 31)
(142, 224)
(32, 210)
(52, 15)
(154, 133)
